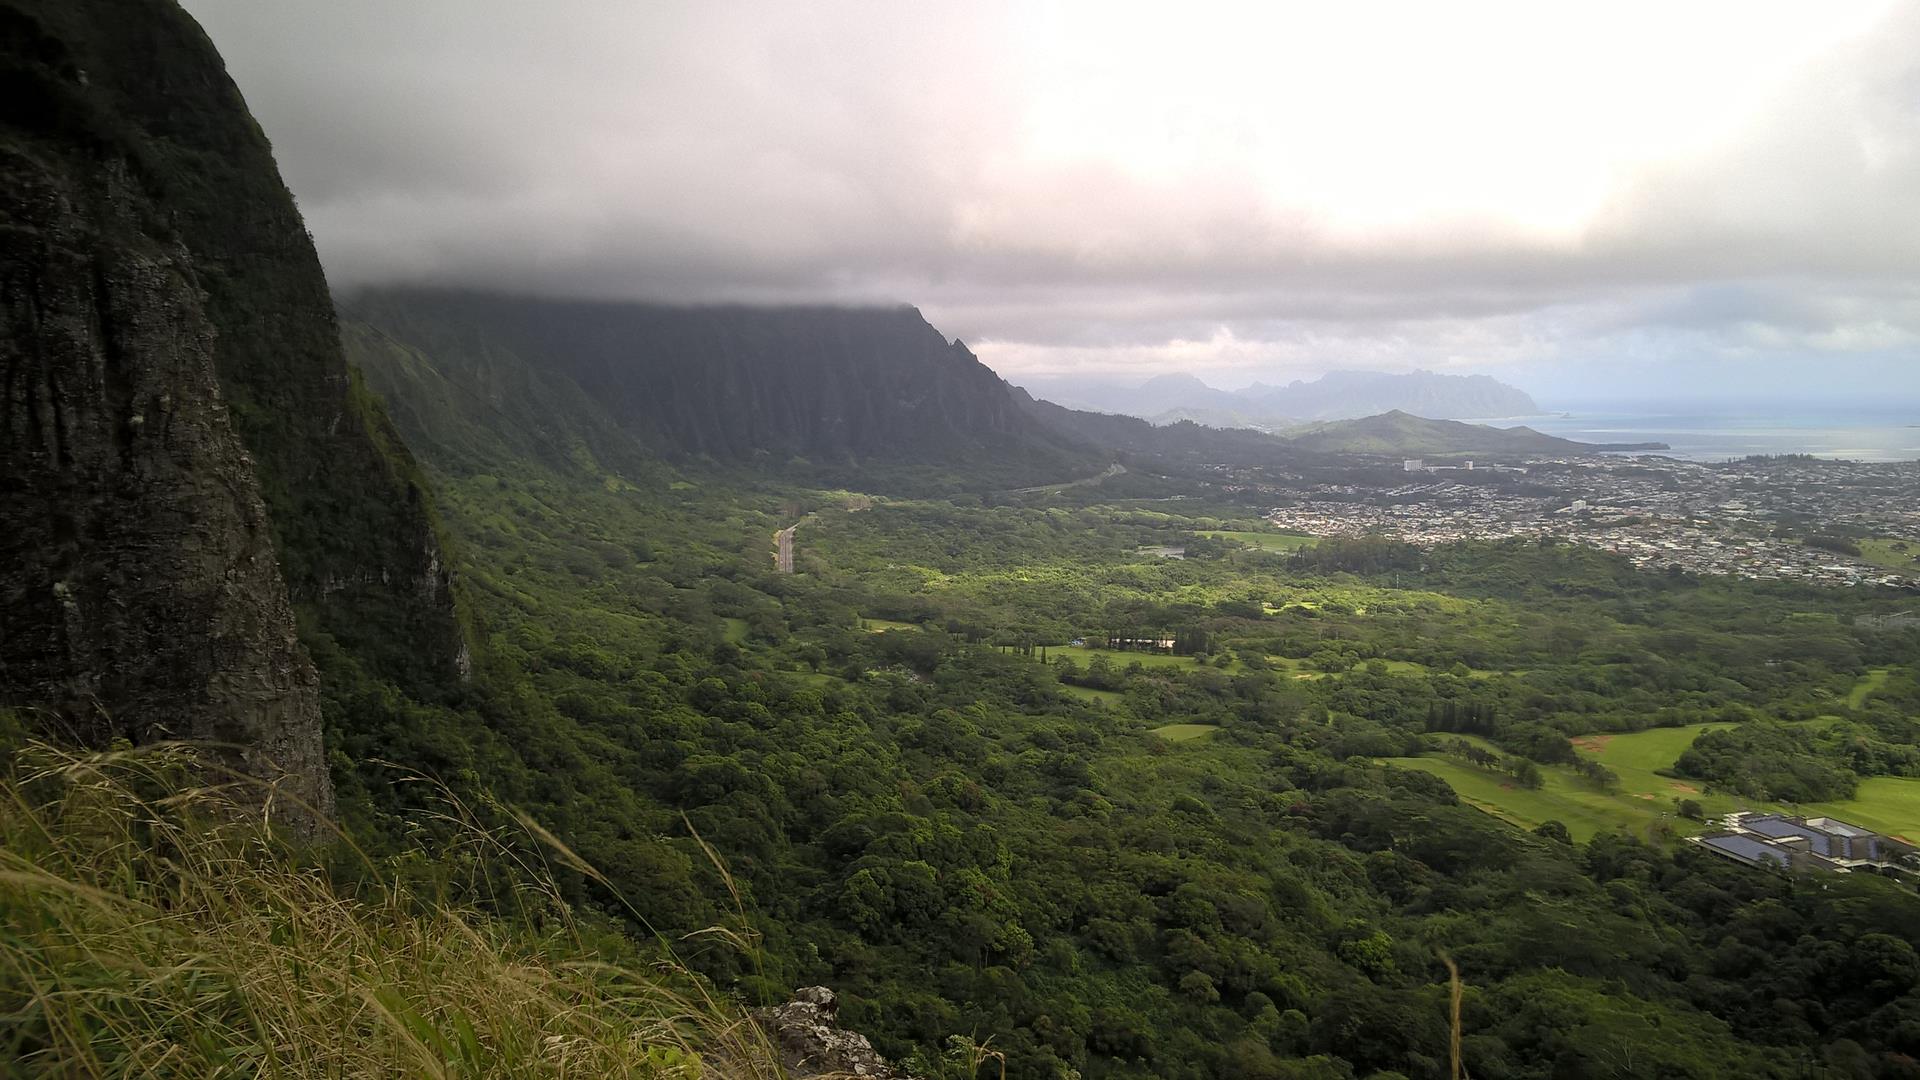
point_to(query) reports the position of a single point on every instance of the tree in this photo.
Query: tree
(1555, 831)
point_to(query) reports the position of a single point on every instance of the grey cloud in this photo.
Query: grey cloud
(863, 153)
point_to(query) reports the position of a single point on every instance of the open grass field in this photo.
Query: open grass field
(1635, 756)
(1185, 732)
(1642, 799)
(1120, 660)
(736, 631)
(1884, 553)
(1088, 693)
(1885, 804)
(1871, 681)
(881, 626)
(1584, 811)
(1300, 669)
(1270, 541)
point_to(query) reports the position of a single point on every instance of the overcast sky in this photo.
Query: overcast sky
(1588, 200)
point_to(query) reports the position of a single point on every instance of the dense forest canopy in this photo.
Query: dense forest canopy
(1184, 855)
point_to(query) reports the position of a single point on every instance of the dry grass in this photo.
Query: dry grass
(150, 927)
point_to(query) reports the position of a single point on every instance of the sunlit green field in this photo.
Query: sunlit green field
(1883, 553)
(1088, 693)
(1185, 732)
(736, 630)
(878, 626)
(1635, 756)
(1300, 669)
(1271, 541)
(1886, 804)
(1871, 681)
(1582, 809)
(1642, 798)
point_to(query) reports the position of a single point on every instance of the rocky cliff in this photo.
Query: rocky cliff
(350, 519)
(187, 458)
(142, 598)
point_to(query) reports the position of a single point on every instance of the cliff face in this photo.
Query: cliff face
(350, 518)
(141, 596)
(184, 449)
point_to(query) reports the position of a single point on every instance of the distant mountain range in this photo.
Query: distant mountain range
(1399, 434)
(1337, 395)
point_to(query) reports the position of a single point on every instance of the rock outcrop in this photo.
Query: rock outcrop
(810, 1043)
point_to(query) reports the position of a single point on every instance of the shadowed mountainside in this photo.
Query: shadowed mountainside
(835, 386)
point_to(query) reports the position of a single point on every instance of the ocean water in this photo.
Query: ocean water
(1857, 435)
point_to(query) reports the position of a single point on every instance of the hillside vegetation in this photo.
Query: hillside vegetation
(934, 804)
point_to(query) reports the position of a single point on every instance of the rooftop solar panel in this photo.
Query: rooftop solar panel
(1748, 848)
(1773, 826)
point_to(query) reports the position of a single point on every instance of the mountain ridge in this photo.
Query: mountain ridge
(845, 388)
(1336, 395)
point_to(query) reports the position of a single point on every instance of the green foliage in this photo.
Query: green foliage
(932, 801)
(1767, 761)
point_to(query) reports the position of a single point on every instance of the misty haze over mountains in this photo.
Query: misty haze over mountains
(1337, 395)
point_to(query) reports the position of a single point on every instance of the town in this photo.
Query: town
(1812, 520)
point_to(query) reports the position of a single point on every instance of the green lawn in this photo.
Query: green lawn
(736, 631)
(1584, 811)
(1643, 797)
(1300, 669)
(1885, 804)
(1120, 660)
(1088, 693)
(1287, 665)
(1882, 553)
(1635, 756)
(1270, 541)
(1871, 681)
(880, 626)
(1185, 732)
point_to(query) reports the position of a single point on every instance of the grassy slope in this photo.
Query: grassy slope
(1185, 732)
(1871, 681)
(1881, 553)
(1088, 693)
(1583, 811)
(152, 931)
